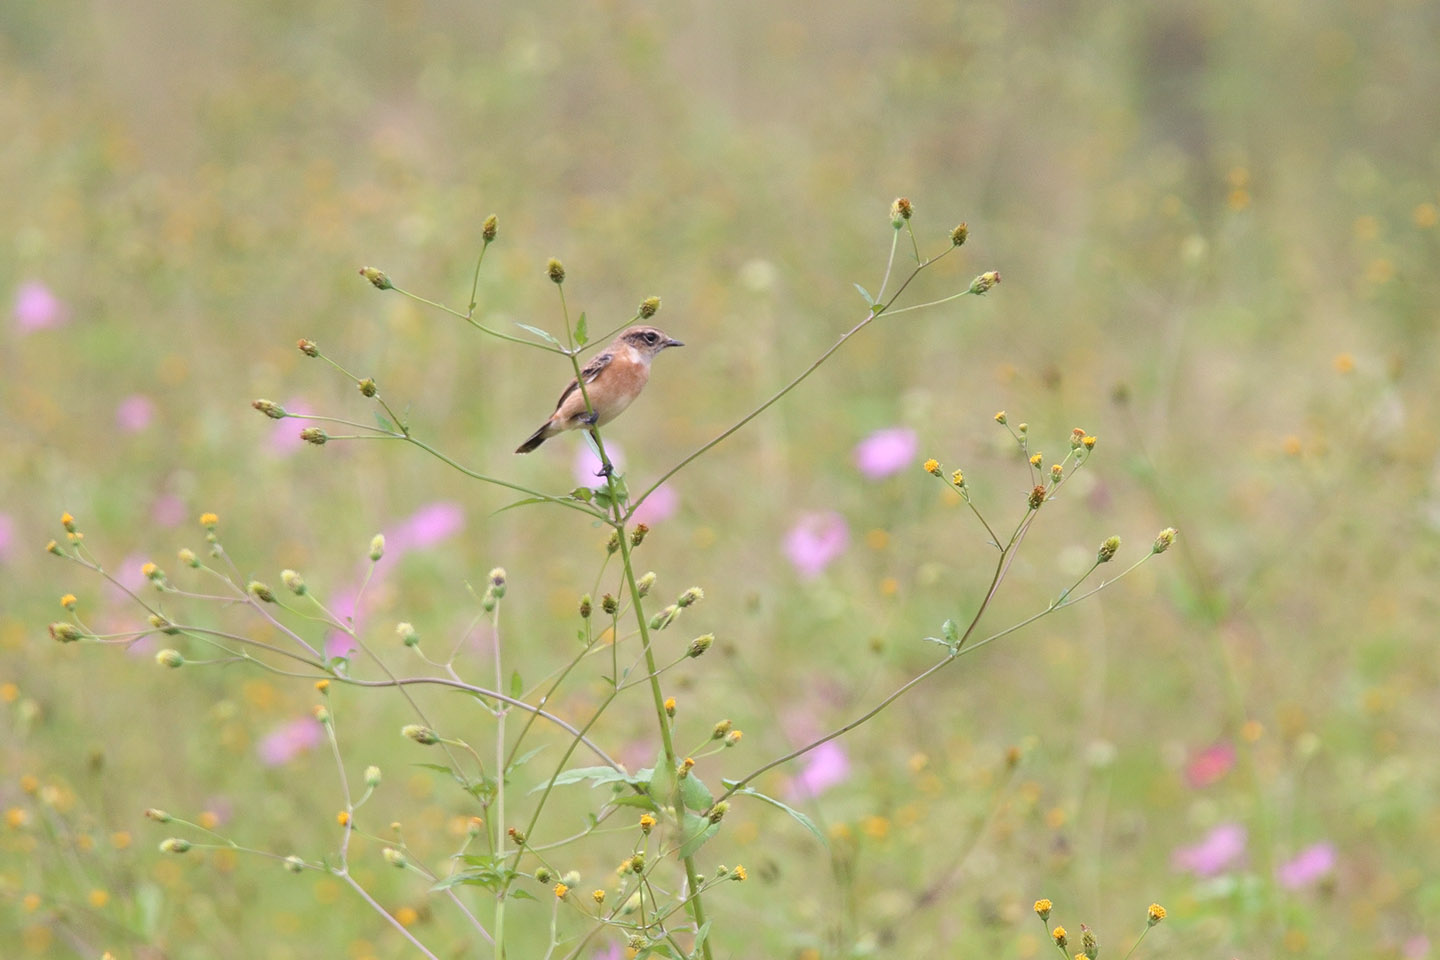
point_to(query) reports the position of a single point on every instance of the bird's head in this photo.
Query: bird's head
(648, 341)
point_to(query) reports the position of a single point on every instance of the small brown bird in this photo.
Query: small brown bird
(613, 379)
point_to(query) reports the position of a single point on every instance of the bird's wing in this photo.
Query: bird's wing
(588, 372)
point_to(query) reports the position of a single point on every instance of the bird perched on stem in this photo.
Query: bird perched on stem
(612, 379)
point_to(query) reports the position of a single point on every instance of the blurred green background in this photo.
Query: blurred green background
(1217, 227)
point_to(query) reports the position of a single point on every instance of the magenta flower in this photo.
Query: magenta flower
(660, 505)
(36, 308)
(886, 451)
(288, 741)
(1222, 848)
(169, 510)
(1416, 948)
(426, 527)
(1210, 765)
(825, 766)
(7, 535)
(814, 541)
(1308, 867)
(134, 413)
(285, 434)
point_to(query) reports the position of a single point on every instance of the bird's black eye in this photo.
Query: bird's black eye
(651, 337)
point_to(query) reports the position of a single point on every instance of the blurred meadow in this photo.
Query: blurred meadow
(1217, 229)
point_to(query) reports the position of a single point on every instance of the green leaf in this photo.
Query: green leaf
(702, 934)
(582, 333)
(538, 332)
(696, 830)
(517, 686)
(866, 294)
(636, 800)
(521, 503)
(384, 422)
(694, 794)
(596, 776)
(662, 782)
(583, 494)
(520, 894)
(950, 630)
(525, 757)
(800, 818)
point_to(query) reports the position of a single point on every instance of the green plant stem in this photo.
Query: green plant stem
(775, 397)
(477, 324)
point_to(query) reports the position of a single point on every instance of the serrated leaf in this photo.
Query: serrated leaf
(517, 686)
(597, 776)
(866, 294)
(950, 630)
(582, 331)
(696, 830)
(800, 818)
(538, 332)
(694, 794)
(583, 494)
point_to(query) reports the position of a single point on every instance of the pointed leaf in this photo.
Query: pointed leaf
(866, 294)
(636, 800)
(596, 776)
(662, 783)
(525, 758)
(517, 686)
(694, 794)
(517, 893)
(950, 630)
(582, 332)
(538, 332)
(800, 818)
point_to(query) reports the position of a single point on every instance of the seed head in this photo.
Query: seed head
(65, 632)
(692, 596)
(377, 277)
(394, 857)
(555, 270)
(161, 624)
(585, 603)
(1163, 540)
(406, 632)
(260, 591)
(159, 816)
(187, 557)
(1000, 418)
(959, 235)
(294, 582)
(308, 347)
(664, 618)
(697, 647)
(720, 729)
(984, 283)
(170, 658)
(717, 812)
(294, 864)
(490, 228)
(637, 536)
(733, 737)
(420, 734)
(268, 407)
(1107, 550)
(649, 307)
(1088, 943)
(367, 387)
(497, 582)
(543, 875)
(643, 585)
(901, 210)
(314, 435)
(377, 547)
(174, 845)
(1037, 497)
(372, 776)
(609, 604)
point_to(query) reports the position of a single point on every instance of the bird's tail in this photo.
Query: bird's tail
(536, 438)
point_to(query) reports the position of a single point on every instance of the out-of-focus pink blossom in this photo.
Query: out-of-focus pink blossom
(1222, 848)
(585, 468)
(814, 541)
(1210, 765)
(168, 510)
(36, 308)
(1307, 867)
(426, 527)
(1416, 948)
(285, 434)
(660, 505)
(886, 451)
(289, 740)
(825, 766)
(7, 536)
(134, 413)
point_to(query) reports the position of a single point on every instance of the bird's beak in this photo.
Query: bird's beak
(673, 343)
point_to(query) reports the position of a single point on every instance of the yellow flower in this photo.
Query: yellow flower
(739, 872)
(322, 685)
(67, 521)
(1344, 363)
(68, 601)
(932, 466)
(958, 478)
(647, 822)
(1089, 442)
(406, 916)
(1058, 935)
(209, 520)
(598, 896)
(150, 570)
(98, 898)
(560, 891)
(1043, 908)
(343, 818)
(1156, 914)
(670, 706)
(1036, 460)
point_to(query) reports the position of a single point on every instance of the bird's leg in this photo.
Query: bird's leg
(606, 468)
